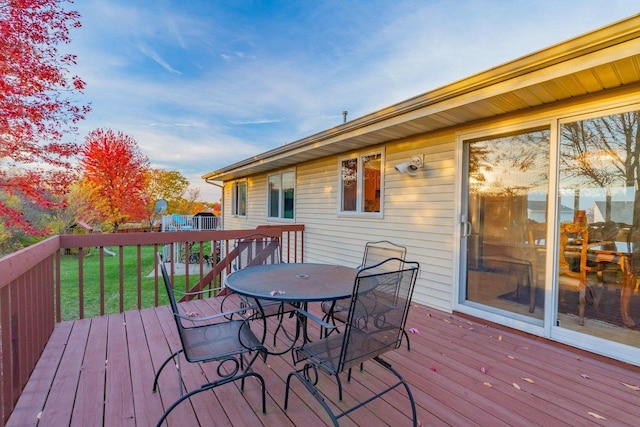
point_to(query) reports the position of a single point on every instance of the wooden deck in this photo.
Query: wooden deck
(462, 371)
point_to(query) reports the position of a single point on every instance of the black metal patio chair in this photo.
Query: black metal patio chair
(370, 331)
(214, 338)
(374, 253)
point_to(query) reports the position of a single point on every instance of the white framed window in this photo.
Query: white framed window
(239, 198)
(360, 184)
(281, 195)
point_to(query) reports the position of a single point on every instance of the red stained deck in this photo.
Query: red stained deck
(100, 371)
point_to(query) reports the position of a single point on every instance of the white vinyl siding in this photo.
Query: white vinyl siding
(418, 213)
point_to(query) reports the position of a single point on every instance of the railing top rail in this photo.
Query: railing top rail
(18, 263)
(87, 240)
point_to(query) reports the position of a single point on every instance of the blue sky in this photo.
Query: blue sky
(201, 84)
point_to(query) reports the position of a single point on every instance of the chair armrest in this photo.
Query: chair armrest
(214, 316)
(176, 291)
(316, 319)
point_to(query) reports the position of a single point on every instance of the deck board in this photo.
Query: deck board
(113, 359)
(88, 408)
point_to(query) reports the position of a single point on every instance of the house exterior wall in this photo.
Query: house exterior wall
(419, 212)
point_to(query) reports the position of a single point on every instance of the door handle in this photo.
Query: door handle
(466, 226)
(466, 229)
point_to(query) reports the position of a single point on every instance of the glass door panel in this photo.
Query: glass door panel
(598, 182)
(506, 198)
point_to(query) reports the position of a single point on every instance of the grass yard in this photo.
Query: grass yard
(69, 282)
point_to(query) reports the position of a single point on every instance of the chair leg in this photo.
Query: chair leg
(170, 358)
(406, 336)
(314, 392)
(387, 365)
(310, 386)
(340, 385)
(209, 386)
(582, 302)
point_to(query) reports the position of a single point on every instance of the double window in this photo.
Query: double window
(280, 195)
(239, 198)
(361, 179)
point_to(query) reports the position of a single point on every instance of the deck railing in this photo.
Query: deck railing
(76, 276)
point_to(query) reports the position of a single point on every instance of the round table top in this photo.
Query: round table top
(294, 282)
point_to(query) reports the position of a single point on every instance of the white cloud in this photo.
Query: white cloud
(223, 84)
(157, 58)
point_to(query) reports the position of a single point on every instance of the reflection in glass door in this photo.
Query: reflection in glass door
(507, 195)
(599, 199)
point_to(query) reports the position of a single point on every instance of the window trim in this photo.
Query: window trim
(281, 199)
(359, 212)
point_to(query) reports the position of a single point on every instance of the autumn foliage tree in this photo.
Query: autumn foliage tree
(37, 107)
(115, 176)
(164, 185)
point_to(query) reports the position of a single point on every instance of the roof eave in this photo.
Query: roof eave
(484, 85)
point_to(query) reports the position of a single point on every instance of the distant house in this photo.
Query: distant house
(79, 227)
(620, 212)
(448, 174)
(537, 211)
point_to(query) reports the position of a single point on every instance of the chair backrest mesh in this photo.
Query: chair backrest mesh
(257, 249)
(376, 252)
(172, 299)
(378, 310)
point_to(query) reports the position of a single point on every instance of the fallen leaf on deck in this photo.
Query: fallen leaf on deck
(594, 415)
(483, 370)
(414, 331)
(39, 415)
(516, 386)
(585, 376)
(471, 329)
(488, 384)
(192, 314)
(446, 320)
(632, 387)
(499, 337)
(529, 380)
(511, 357)
(434, 369)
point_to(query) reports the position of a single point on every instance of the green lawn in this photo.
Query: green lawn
(69, 282)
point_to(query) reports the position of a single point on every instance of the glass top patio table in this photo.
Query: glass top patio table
(294, 282)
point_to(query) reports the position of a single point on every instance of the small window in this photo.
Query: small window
(361, 183)
(280, 194)
(239, 198)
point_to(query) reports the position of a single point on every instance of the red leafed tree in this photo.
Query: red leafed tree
(115, 173)
(37, 107)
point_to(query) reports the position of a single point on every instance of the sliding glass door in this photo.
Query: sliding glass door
(594, 288)
(506, 206)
